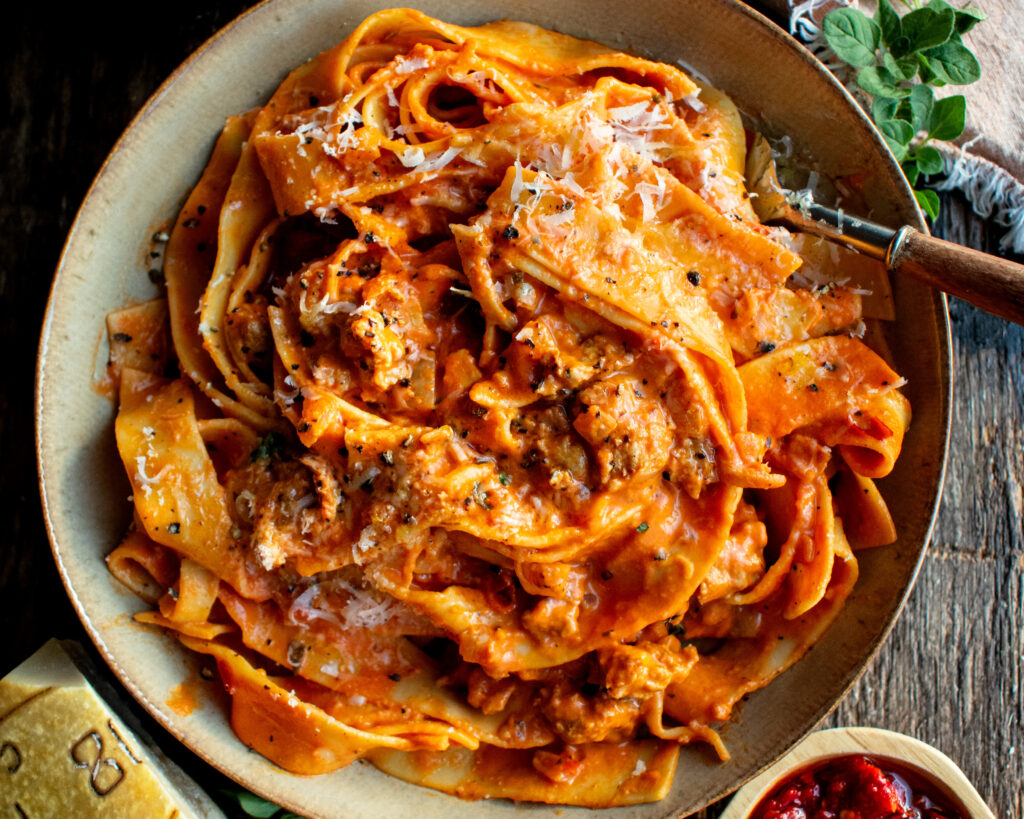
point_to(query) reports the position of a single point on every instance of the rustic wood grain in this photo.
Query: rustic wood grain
(950, 672)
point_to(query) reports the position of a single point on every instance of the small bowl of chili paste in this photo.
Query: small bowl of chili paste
(860, 773)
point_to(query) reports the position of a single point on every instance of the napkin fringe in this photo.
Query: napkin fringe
(992, 192)
(805, 24)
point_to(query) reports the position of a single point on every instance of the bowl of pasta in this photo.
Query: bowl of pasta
(478, 442)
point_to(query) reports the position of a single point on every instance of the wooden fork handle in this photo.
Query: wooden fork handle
(994, 284)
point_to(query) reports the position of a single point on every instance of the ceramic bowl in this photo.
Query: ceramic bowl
(887, 746)
(772, 79)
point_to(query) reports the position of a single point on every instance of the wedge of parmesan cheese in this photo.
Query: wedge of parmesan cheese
(63, 752)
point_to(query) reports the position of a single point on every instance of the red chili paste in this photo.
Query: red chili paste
(855, 787)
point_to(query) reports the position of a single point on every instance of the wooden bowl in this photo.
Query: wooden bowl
(878, 743)
(161, 155)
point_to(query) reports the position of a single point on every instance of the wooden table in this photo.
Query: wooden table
(951, 671)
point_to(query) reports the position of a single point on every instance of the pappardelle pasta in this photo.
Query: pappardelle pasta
(484, 433)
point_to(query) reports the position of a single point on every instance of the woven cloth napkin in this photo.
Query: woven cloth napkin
(987, 161)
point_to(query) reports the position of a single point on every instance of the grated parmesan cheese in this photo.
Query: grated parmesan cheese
(694, 101)
(303, 605)
(574, 187)
(340, 307)
(365, 610)
(145, 481)
(633, 125)
(245, 504)
(365, 542)
(347, 135)
(406, 65)
(652, 197)
(412, 156)
(434, 162)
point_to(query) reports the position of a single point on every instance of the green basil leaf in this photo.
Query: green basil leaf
(884, 108)
(927, 28)
(920, 103)
(897, 130)
(881, 83)
(968, 18)
(929, 160)
(910, 171)
(947, 118)
(938, 5)
(852, 35)
(953, 63)
(929, 202)
(888, 21)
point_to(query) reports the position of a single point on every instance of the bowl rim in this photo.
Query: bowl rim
(223, 38)
(878, 743)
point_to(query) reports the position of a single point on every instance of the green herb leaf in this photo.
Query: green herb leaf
(968, 18)
(897, 134)
(888, 21)
(926, 74)
(929, 160)
(902, 69)
(898, 149)
(898, 130)
(269, 446)
(929, 202)
(251, 804)
(903, 111)
(880, 82)
(920, 103)
(953, 63)
(947, 118)
(926, 28)
(908, 65)
(901, 59)
(852, 35)
(643, 527)
(884, 108)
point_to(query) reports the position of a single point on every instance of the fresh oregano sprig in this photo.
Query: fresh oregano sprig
(900, 59)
